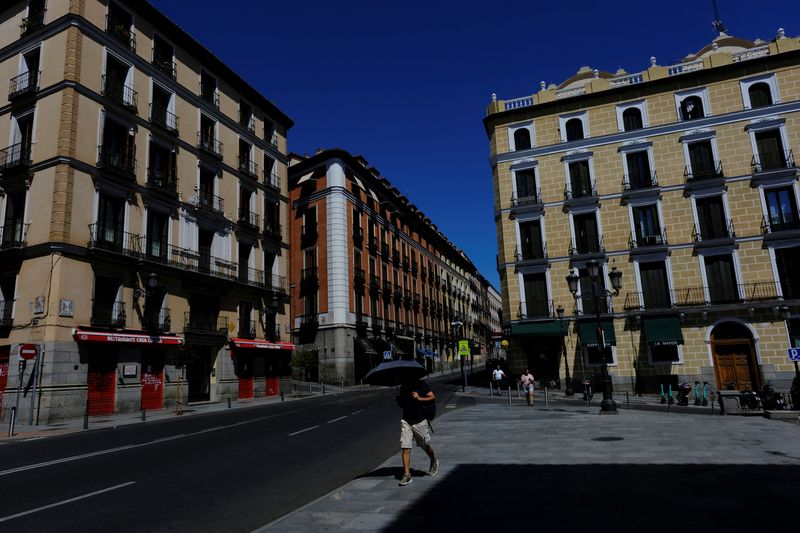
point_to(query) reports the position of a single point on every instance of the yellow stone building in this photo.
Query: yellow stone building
(142, 196)
(682, 179)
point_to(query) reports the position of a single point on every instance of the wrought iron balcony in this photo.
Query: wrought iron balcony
(769, 227)
(163, 117)
(703, 172)
(309, 320)
(108, 314)
(162, 179)
(13, 235)
(165, 65)
(639, 181)
(121, 31)
(209, 144)
(769, 161)
(659, 238)
(530, 253)
(113, 239)
(23, 85)
(359, 276)
(6, 313)
(247, 328)
(32, 22)
(587, 246)
(16, 157)
(249, 218)
(272, 230)
(248, 166)
(159, 320)
(583, 189)
(205, 322)
(702, 297)
(119, 92)
(211, 202)
(209, 94)
(518, 200)
(116, 160)
(309, 275)
(272, 180)
(714, 231)
(536, 309)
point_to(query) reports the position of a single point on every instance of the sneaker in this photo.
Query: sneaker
(405, 480)
(434, 468)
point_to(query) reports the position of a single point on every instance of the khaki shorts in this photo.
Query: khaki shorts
(418, 432)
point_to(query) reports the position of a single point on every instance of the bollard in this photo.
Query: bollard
(144, 415)
(309, 388)
(546, 398)
(229, 402)
(281, 395)
(509, 396)
(712, 406)
(12, 421)
(491, 392)
(519, 393)
(342, 384)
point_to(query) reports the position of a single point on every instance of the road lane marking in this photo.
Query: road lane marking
(302, 431)
(356, 412)
(57, 504)
(336, 419)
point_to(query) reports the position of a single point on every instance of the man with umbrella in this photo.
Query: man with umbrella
(414, 425)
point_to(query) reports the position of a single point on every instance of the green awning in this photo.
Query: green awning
(550, 328)
(663, 331)
(588, 333)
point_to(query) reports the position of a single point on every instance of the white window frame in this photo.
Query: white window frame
(701, 137)
(626, 149)
(653, 259)
(641, 105)
(575, 158)
(769, 79)
(129, 81)
(767, 125)
(521, 126)
(521, 281)
(530, 218)
(762, 197)
(645, 202)
(583, 116)
(710, 194)
(534, 166)
(737, 268)
(702, 93)
(650, 360)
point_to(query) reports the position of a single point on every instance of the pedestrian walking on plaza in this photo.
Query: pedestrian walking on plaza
(498, 376)
(527, 385)
(418, 402)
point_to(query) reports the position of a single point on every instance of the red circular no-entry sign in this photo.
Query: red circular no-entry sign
(28, 351)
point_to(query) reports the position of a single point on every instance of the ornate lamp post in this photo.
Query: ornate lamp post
(608, 405)
(568, 390)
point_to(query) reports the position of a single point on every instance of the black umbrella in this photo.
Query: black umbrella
(395, 373)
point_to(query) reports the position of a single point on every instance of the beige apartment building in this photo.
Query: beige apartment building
(142, 200)
(372, 274)
(681, 178)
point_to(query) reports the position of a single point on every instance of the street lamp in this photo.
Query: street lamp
(568, 390)
(608, 405)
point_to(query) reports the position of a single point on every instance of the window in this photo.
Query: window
(537, 303)
(574, 129)
(632, 119)
(270, 134)
(639, 174)
(711, 220)
(692, 105)
(664, 354)
(208, 134)
(208, 88)
(781, 209)
(118, 82)
(108, 309)
(110, 222)
(13, 228)
(205, 239)
(525, 181)
(118, 149)
(587, 238)
(309, 229)
(786, 261)
(647, 229)
(157, 234)
(531, 245)
(270, 173)
(758, 92)
(588, 305)
(580, 181)
(522, 139)
(119, 24)
(247, 326)
(162, 167)
(162, 109)
(246, 117)
(19, 153)
(721, 279)
(28, 78)
(207, 188)
(770, 152)
(701, 161)
(163, 56)
(760, 95)
(247, 163)
(655, 285)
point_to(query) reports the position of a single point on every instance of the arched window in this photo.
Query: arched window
(522, 139)
(692, 108)
(632, 119)
(760, 95)
(574, 127)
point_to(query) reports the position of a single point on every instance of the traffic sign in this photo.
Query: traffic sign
(28, 351)
(463, 348)
(794, 354)
(387, 355)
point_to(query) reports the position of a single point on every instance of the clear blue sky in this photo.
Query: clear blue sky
(406, 84)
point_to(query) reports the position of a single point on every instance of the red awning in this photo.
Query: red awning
(261, 344)
(81, 335)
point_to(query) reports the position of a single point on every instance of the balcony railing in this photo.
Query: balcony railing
(398, 291)
(161, 116)
(377, 325)
(703, 296)
(358, 275)
(13, 235)
(633, 182)
(205, 322)
(157, 321)
(406, 262)
(121, 161)
(210, 201)
(772, 161)
(272, 230)
(387, 287)
(587, 246)
(163, 180)
(209, 144)
(114, 240)
(107, 314)
(358, 233)
(532, 253)
(703, 172)
(120, 92)
(769, 227)
(580, 190)
(248, 166)
(309, 319)
(249, 218)
(536, 309)
(209, 94)
(714, 231)
(6, 313)
(529, 199)
(121, 31)
(32, 22)
(27, 83)
(309, 275)
(272, 180)
(17, 157)
(165, 65)
(659, 238)
(247, 328)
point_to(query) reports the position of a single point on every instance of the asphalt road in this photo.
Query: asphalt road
(227, 471)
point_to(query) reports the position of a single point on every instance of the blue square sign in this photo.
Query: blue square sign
(794, 354)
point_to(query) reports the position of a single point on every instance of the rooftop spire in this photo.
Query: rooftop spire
(718, 25)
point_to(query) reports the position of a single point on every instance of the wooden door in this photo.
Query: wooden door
(734, 362)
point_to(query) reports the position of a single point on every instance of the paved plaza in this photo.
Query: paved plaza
(564, 466)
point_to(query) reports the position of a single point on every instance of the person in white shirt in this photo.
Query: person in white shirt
(498, 376)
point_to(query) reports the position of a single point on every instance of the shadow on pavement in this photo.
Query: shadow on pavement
(640, 498)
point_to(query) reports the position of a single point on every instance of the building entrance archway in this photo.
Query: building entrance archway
(734, 355)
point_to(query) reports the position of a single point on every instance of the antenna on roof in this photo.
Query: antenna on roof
(718, 25)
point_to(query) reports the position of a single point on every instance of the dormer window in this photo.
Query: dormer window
(574, 129)
(632, 119)
(692, 105)
(760, 95)
(520, 136)
(692, 108)
(759, 92)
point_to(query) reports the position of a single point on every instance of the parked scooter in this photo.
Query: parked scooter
(587, 390)
(749, 400)
(683, 393)
(772, 400)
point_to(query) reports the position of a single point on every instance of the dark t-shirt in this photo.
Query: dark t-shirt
(412, 413)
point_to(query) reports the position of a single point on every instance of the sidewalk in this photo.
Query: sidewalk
(565, 466)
